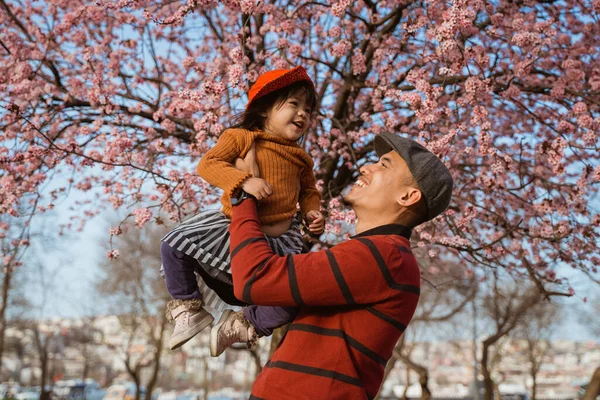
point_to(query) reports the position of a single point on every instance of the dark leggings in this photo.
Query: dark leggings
(179, 271)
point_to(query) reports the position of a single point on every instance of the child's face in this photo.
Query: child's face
(289, 120)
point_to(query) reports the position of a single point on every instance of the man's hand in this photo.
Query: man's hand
(257, 187)
(316, 222)
(248, 164)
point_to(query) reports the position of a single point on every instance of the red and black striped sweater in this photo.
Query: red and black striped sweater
(356, 299)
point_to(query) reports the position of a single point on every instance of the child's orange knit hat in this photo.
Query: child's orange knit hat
(277, 79)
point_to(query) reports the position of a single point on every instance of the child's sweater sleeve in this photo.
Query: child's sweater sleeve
(216, 166)
(310, 198)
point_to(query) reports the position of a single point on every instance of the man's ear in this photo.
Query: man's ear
(409, 196)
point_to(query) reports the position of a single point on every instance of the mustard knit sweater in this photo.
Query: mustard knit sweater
(282, 163)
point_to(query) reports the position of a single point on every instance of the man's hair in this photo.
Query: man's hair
(253, 117)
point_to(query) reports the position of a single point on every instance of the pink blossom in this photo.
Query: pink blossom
(188, 62)
(550, 275)
(236, 54)
(339, 7)
(596, 175)
(248, 6)
(358, 62)
(235, 74)
(335, 32)
(473, 85)
(585, 121)
(579, 108)
(565, 126)
(523, 39)
(116, 201)
(341, 48)
(295, 49)
(558, 90)
(142, 216)
(112, 254)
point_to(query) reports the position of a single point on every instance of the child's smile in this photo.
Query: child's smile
(289, 120)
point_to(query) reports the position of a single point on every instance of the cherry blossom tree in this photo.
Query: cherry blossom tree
(119, 100)
(507, 305)
(133, 287)
(536, 330)
(442, 300)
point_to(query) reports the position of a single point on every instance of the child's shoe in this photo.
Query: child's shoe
(231, 328)
(190, 318)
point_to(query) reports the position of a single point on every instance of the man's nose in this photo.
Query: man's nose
(365, 169)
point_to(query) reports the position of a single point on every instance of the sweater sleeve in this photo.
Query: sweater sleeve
(357, 271)
(310, 198)
(216, 166)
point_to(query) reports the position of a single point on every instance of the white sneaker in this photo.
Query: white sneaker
(231, 328)
(190, 319)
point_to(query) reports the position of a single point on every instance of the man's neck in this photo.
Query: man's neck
(365, 223)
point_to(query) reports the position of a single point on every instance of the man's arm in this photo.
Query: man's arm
(354, 272)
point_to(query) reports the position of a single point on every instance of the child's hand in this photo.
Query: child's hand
(316, 222)
(257, 187)
(248, 164)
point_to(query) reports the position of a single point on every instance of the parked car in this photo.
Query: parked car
(78, 390)
(9, 389)
(29, 393)
(123, 391)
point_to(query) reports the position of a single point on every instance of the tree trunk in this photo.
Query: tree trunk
(205, 380)
(488, 383)
(534, 383)
(138, 385)
(86, 366)
(134, 374)
(42, 347)
(404, 393)
(474, 351)
(5, 290)
(157, 357)
(44, 367)
(423, 379)
(593, 389)
(419, 369)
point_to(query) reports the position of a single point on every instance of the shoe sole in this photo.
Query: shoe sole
(184, 337)
(214, 334)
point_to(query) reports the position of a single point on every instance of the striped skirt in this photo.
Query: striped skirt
(205, 237)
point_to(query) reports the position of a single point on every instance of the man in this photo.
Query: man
(356, 298)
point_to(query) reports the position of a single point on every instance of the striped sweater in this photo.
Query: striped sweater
(356, 299)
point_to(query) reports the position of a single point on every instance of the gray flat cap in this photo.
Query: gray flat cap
(429, 172)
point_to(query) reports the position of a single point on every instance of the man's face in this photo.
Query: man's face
(382, 185)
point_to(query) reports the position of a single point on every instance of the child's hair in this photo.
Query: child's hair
(253, 117)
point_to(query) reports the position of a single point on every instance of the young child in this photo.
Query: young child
(277, 115)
